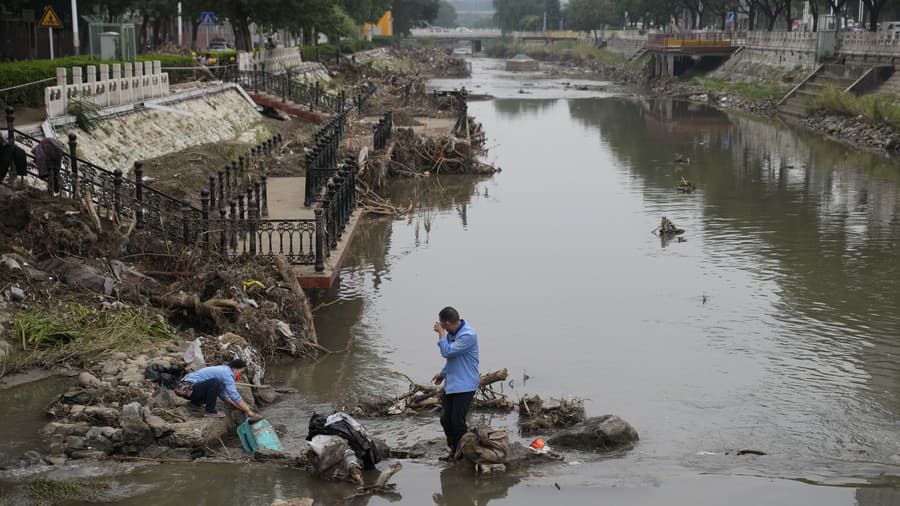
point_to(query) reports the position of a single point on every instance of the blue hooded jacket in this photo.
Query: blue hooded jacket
(461, 351)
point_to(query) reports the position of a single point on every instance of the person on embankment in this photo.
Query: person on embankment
(203, 387)
(458, 343)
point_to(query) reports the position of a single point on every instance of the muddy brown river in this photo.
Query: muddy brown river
(773, 325)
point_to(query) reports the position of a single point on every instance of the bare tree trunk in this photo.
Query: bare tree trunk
(157, 25)
(787, 16)
(195, 27)
(142, 34)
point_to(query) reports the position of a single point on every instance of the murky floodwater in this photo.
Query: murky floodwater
(773, 326)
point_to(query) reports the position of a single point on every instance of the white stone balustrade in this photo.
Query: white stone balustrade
(140, 81)
(869, 43)
(791, 41)
(276, 60)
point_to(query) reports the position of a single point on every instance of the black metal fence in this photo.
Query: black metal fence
(232, 217)
(321, 159)
(287, 86)
(383, 130)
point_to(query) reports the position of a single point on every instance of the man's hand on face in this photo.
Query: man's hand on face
(439, 329)
(437, 379)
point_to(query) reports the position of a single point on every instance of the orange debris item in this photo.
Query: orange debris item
(537, 444)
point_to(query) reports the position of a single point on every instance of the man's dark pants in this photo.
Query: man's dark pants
(453, 417)
(206, 393)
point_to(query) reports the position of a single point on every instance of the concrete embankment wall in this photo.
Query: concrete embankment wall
(786, 50)
(624, 42)
(764, 54)
(221, 114)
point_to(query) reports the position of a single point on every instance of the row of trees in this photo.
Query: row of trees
(592, 15)
(335, 18)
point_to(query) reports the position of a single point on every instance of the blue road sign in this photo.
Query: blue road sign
(207, 18)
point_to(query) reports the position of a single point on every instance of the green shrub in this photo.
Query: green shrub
(834, 100)
(86, 114)
(326, 51)
(383, 40)
(757, 90)
(21, 72)
(172, 60)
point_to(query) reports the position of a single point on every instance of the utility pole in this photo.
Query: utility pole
(76, 43)
(180, 39)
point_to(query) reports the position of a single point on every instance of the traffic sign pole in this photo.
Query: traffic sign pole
(50, 32)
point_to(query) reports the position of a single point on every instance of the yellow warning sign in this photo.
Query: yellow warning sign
(50, 19)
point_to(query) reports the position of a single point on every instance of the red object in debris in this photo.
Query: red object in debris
(537, 444)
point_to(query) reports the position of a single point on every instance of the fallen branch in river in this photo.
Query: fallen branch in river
(423, 398)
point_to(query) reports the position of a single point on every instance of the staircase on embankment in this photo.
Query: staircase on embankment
(850, 78)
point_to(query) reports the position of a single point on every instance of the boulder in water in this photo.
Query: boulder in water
(603, 433)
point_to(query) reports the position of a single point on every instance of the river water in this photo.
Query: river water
(773, 325)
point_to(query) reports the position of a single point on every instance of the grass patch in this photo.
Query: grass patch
(79, 335)
(49, 492)
(834, 100)
(752, 90)
(86, 114)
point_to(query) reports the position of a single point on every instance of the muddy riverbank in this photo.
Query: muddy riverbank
(853, 130)
(126, 314)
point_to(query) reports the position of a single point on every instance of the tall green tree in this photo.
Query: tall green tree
(410, 13)
(590, 15)
(513, 15)
(874, 8)
(446, 15)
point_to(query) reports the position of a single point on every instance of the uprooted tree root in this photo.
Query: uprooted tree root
(427, 398)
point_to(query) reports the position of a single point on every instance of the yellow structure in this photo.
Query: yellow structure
(384, 26)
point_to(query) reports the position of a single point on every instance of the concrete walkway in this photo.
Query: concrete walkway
(285, 196)
(285, 199)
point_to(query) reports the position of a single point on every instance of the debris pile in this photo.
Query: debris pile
(667, 228)
(537, 415)
(417, 155)
(427, 398)
(685, 186)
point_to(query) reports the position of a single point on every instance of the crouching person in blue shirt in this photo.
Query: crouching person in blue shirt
(459, 345)
(204, 386)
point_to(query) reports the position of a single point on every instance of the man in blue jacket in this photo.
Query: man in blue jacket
(459, 345)
(204, 386)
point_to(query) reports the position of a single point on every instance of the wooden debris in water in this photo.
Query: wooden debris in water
(381, 485)
(667, 228)
(686, 186)
(421, 398)
(536, 415)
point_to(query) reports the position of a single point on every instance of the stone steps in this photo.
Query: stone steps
(840, 76)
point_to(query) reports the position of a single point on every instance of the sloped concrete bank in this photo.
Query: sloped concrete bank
(220, 115)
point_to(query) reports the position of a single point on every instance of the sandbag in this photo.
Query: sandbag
(330, 457)
(484, 445)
